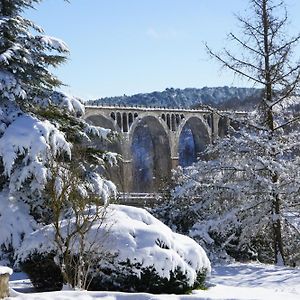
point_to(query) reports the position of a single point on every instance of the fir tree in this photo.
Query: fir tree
(38, 125)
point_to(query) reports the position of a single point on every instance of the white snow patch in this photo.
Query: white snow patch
(9, 86)
(5, 270)
(98, 131)
(70, 103)
(106, 189)
(15, 221)
(54, 43)
(235, 281)
(35, 140)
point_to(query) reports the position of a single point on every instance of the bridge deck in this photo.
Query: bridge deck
(204, 109)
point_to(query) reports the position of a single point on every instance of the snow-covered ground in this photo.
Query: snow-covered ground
(235, 281)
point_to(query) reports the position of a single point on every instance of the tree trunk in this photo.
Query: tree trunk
(269, 119)
(279, 256)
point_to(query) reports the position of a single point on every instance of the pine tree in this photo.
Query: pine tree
(25, 79)
(39, 125)
(25, 57)
(50, 121)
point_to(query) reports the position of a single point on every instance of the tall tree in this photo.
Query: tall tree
(26, 83)
(250, 191)
(39, 125)
(267, 62)
(26, 57)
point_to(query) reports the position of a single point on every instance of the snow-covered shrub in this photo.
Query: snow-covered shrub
(176, 213)
(133, 277)
(139, 253)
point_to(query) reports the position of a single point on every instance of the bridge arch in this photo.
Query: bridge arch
(193, 137)
(164, 129)
(102, 121)
(151, 154)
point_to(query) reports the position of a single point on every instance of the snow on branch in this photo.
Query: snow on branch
(53, 43)
(10, 88)
(97, 131)
(16, 223)
(34, 142)
(106, 189)
(70, 103)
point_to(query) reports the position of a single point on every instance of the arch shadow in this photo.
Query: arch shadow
(151, 155)
(193, 139)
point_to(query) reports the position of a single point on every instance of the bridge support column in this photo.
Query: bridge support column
(127, 180)
(174, 140)
(127, 176)
(174, 162)
(215, 125)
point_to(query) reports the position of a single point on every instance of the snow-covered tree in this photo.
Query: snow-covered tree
(249, 192)
(39, 125)
(26, 83)
(230, 198)
(36, 123)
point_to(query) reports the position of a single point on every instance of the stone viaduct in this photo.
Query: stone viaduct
(153, 141)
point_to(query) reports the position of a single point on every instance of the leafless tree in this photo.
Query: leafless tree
(78, 218)
(265, 58)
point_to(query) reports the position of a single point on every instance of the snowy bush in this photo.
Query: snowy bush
(183, 216)
(139, 253)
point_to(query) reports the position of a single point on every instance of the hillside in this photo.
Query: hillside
(219, 97)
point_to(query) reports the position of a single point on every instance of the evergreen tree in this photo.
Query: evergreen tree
(39, 125)
(47, 120)
(26, 57)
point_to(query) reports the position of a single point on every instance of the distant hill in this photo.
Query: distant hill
(219, 97)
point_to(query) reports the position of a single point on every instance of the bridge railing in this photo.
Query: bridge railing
(202, 109)
(139, 199)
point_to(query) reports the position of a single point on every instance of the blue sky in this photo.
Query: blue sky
(130, 46)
